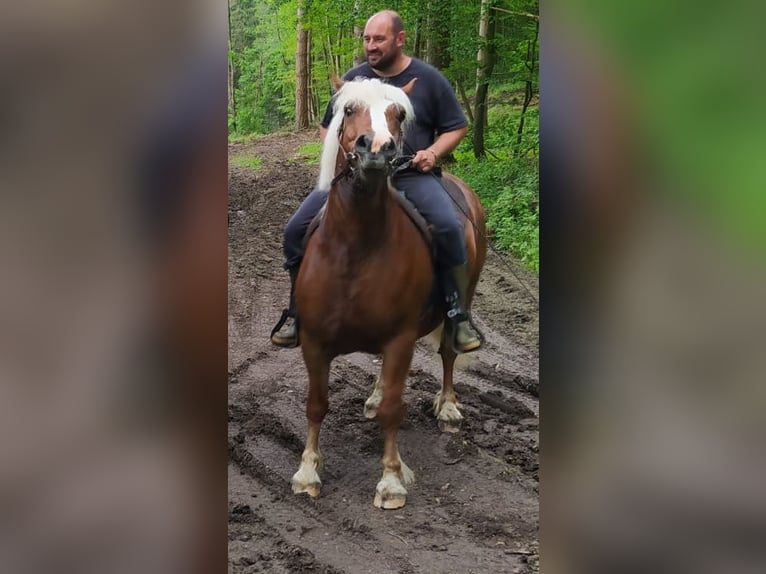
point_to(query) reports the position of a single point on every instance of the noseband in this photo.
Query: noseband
(396, 164)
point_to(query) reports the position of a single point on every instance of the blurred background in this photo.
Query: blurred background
(653, 316)
(113, 289)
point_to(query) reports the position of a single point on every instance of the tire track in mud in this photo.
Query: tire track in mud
(473, 507)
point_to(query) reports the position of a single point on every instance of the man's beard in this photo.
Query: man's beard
(384, 63)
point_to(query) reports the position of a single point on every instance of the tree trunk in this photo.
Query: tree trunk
(417, 49)
(531, 68)
(485, 62)
(438, 33)
(466, 102)
(428, 33)
(358, 33)
(312, 113)
(232, 94)
(301, 71)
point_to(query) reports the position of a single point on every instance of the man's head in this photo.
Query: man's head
(383, 39)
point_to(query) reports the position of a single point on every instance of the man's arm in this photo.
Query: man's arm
(445, 144)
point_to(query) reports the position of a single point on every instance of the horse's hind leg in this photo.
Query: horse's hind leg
(445, 403)
(373, 402)
(390, 492)
(318, 366)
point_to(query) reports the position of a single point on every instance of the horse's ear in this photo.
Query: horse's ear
(336, 81)
(408, 88)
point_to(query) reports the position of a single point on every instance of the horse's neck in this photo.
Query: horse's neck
(360, 221)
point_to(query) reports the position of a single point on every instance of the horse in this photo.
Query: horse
(367, 277)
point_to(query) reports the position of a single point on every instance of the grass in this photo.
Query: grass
(309, 153)
(243, 138)
(248, 161)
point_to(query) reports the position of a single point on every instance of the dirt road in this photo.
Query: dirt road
(474, 505)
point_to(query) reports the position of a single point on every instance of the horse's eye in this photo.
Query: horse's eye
(402, 115)
(348, 110)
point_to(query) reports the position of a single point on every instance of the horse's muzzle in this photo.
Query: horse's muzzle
(369, 160)
(372, 162)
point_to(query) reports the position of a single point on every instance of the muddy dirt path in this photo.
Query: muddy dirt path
(474, 505)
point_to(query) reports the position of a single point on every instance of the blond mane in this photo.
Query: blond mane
(368, 92)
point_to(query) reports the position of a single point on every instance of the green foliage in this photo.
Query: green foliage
(248, 161)
(263, 52)
(514, 217)
(509, 192)
(309, 153)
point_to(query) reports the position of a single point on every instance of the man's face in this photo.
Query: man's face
(381, 46)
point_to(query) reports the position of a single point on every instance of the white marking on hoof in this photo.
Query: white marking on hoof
(390, 493)
(373, 402)
(307, 478)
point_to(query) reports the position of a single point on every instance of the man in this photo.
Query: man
(437, 113)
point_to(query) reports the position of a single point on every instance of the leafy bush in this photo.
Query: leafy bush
(509, 193)
(514, 219)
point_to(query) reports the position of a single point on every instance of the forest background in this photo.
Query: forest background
(282, 53)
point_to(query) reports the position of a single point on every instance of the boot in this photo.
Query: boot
(462, 334)
(285, 334)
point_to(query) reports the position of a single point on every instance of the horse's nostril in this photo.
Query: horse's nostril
(388, 146)
(364, 142)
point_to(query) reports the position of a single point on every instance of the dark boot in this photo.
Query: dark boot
(462, 334)
(285, 334)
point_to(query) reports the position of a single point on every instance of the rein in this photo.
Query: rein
(346, 171)
(398, 164)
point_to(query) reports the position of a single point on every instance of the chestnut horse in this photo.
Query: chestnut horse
(367, 277)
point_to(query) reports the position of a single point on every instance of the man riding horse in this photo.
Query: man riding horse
(437, 113)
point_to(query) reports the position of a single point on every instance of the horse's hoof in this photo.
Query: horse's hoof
(311, 489)
(307, 480)
(447, 416)
(449, 427)
(373, 402)
(390, 493)
(390, 503)
(370, 412)
(405, 474)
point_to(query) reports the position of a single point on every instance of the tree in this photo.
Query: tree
(530, 65)
(231, 92)
(302, 70)
(485, 62)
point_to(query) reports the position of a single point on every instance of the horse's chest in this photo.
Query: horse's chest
(366, 304)
(355, 309)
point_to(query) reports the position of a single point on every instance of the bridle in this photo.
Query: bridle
(397, 164)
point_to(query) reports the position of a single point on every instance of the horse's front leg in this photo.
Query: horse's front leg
(318, 366)
(445, 404)
(397, 356)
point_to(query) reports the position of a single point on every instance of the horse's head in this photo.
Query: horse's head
(366, 131)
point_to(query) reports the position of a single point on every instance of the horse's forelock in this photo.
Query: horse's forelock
(368, 92)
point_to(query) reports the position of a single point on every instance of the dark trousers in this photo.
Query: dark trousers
(422, 189)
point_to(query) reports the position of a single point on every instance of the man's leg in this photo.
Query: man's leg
(433, 202)
(285, 334)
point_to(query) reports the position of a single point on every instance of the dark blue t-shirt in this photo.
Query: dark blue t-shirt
(433, 99)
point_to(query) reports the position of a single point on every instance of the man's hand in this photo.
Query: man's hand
(424, 160)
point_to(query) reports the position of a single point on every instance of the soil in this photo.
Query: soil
(474, 505)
